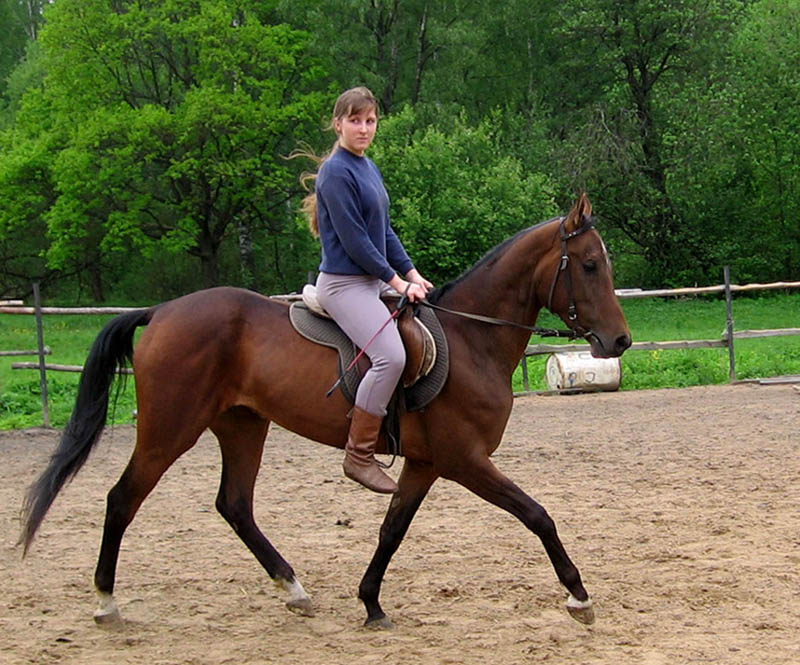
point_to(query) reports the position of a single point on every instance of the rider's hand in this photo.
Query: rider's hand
(414, 276)
(415, 292)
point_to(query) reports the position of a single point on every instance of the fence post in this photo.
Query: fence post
(37, 306)
(526, 385)
(729, 304)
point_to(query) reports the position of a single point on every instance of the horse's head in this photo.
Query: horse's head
(580, 289)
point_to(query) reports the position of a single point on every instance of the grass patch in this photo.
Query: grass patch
(70, 337)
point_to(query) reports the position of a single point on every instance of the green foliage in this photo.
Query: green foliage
(142, 140)
(739, 176)
(446, 187)
(168, 122)
(620, 148)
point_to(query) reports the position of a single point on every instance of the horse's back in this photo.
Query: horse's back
(207, 336)
(228, 347)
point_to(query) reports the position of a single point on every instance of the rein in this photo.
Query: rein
(541, 332)
(572, 314)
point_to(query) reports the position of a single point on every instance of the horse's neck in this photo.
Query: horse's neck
(502, 288)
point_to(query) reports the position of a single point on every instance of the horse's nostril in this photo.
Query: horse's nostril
(623, 342)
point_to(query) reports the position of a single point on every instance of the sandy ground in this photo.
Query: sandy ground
(680, 507)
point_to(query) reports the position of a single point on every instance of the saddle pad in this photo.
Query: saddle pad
(326, 332)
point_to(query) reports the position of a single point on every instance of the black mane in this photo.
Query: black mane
(490, 256)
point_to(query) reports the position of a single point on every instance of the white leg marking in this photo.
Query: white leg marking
(107, 611)
(575, 604)
(299, 601)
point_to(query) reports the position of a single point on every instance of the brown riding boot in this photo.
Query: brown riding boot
(359, 460)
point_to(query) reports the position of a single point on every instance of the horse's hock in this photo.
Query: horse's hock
(580, 371)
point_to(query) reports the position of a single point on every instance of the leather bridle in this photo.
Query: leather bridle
(563, 266)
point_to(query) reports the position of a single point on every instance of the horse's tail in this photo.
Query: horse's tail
(112, 349)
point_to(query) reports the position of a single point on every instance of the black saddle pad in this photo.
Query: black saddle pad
(326, 332)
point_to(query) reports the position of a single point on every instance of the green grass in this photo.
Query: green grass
(70, 338)
(657, 319)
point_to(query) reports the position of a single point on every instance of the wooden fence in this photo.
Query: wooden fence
(727, 340)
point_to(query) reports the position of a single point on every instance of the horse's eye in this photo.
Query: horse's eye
(590, 266)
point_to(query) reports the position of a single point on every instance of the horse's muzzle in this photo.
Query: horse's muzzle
(614, 349)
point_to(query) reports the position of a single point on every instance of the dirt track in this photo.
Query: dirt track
(681, 508)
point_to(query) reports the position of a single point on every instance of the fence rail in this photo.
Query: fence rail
(727, 339)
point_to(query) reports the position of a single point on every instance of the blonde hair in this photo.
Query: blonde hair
(349, 102)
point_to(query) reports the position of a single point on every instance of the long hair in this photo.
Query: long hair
(354, 100)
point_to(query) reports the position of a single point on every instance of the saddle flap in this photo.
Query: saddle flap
(420, 347)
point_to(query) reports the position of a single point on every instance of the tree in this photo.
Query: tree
(454, 194)
(641, 53)
(403, 50)
(175, 116)
(739, 178)
(12, 42)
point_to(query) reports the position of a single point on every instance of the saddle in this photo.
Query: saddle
(427, 362)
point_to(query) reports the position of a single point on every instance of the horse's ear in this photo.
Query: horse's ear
(581, 213)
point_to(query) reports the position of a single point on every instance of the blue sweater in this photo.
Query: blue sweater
(353, 213)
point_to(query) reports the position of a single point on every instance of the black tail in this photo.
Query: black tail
(113, 348)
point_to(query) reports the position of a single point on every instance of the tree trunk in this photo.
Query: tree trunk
(247, 265)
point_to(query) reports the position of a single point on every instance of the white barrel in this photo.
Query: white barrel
(579, 370)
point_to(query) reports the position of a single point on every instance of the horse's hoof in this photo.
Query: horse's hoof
(379, 623)
(107, 615)
(581, 610)
(301, 606)
(108, 618)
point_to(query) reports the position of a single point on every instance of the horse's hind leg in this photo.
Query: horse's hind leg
(241, 435)
(153, 455)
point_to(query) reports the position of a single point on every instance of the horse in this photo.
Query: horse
(227, 360)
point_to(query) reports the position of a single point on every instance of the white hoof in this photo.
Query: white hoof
(581, 610)
(107, 613)
(299, 601)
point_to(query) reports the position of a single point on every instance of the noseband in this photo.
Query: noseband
(563, 266)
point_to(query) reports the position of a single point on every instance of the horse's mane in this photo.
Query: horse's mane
(490, 256)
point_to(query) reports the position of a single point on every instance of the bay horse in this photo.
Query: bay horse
(228, 360)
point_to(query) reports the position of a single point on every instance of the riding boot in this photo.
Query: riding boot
(359, 460)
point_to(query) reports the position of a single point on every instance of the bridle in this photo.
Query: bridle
(563, 266)
(572, 312)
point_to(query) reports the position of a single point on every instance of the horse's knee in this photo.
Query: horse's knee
(237, 513)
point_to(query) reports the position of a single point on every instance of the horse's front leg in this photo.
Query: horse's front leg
(485, 480)
(413, 485)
